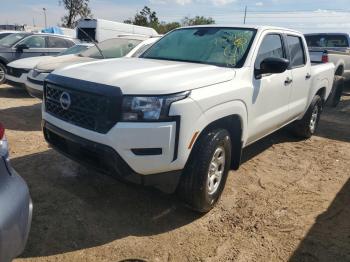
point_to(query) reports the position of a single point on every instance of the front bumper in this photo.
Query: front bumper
(16, 81)
(16, 213)
(107, 160)
(34, 88)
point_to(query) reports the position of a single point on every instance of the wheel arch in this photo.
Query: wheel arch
(234, 125)
(3, 61)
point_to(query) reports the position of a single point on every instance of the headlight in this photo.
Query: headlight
(149, 108)
(37, 72)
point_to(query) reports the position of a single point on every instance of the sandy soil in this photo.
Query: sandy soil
(290, 201)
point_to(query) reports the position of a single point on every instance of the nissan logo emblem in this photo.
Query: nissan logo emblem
(65, 100)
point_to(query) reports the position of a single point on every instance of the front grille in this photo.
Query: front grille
(88, 110)
(16, 72)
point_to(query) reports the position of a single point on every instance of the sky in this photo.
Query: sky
(306, 15)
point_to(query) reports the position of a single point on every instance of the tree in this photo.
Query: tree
(164, 27)
(197, 20)
(77, 9)
(147, 17)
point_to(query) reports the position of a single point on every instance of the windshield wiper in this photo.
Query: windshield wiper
(93, 41)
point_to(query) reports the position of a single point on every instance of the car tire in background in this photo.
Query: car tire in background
(205, 173)
(336, 93)
(306, 127)
(2, 73)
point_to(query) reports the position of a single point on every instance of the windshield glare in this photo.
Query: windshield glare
(206, 45)
(12, 39)
(112, 48)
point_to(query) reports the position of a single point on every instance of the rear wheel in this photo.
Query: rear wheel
(206, 172)
(337, 90)
(307, 126)
(2, 73)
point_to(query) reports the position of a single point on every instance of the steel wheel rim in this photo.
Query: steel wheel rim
(313, 120)
(2, 74)
(216, 170)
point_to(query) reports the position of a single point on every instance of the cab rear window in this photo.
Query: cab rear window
(323, 40)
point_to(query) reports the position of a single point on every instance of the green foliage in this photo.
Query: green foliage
(77, 9)
(197, 20)
(147, 17)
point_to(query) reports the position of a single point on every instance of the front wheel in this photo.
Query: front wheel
(307, 126)
(205, 174)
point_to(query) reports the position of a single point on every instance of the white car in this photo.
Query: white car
(6, 33)
(180, 115)
(112, 48)
(21, 67)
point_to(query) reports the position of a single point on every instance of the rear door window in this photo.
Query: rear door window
(297, 51)
(56, 42)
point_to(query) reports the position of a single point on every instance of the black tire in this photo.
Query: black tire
(194, 187)
(303, 127)
(336, 93)
(2, 73)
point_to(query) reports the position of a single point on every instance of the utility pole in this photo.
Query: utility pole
(44, 9)
(245, 14)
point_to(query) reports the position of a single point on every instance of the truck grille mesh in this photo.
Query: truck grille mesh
(90, 111)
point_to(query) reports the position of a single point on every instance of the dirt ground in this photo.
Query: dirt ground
(290, 201)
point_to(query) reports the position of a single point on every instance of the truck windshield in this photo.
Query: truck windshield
(221, 46)
(112, 48)
(324, 40)
(12, 39)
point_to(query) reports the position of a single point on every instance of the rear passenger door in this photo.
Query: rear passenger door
(301, 74)
(57, 44)
(271, 92)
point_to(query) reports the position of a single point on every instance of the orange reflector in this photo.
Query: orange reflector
(193, 139)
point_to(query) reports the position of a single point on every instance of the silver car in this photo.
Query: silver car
(15, 207)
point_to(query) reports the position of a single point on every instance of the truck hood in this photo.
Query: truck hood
(148, 76)
(56, 62)
(28, 63)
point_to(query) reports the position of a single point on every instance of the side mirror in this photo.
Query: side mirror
(21, 47)
(272, 65)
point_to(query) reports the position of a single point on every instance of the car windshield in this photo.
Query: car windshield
(219, 46)
(12, 39)
(324, 40)
(112, 48)
(76, 49)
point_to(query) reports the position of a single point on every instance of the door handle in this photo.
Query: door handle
(308, 76)
(288, 81)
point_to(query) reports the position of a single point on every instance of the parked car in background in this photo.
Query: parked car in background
(129, 46)
(15, 206)
(333, 48)
(22, 45)
(6, 33)
(179, 116)
(17, 70)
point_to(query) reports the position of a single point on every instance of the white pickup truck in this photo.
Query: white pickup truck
(179, 116)
(333, 48)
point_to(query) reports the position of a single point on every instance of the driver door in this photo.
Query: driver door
(36, 46)
(270, 98)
